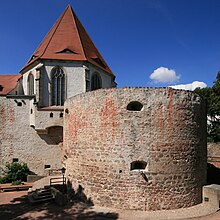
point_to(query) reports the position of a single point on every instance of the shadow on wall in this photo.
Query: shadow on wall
(213, 174)
(54, 135)
(79, 195)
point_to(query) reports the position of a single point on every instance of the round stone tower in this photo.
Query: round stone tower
(136, 148)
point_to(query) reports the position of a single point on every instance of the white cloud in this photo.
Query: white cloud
(191, 86)
(164, 75)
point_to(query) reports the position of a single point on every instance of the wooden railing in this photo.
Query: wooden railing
(58, 180)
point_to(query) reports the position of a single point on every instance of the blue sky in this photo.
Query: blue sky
(136, 38)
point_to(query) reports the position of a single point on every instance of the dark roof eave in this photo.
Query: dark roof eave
(29, 65)
(20, 96)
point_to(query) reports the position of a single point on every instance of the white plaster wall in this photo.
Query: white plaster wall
(74, 76)
(25, 78)
(75, 79)
(19, 140)
(43, 119)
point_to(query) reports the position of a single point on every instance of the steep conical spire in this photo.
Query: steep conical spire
(68, 40)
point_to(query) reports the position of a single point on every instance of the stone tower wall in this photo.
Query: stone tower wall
(168, 135)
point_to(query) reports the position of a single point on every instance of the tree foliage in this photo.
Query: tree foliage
(14, 172)
(212, 96)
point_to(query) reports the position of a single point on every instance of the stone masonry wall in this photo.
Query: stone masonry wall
(214, 154)
(102, 138)
(19, 140)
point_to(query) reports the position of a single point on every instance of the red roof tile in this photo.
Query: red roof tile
(68, 40)
(8, 83)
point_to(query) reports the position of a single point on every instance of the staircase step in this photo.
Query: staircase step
(43, 190)
(36, 196)
(44, 193)
(40, 195)
(32, 200)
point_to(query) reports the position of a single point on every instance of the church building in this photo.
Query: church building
(65, 64)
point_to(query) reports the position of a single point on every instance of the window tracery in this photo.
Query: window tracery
(57, 86)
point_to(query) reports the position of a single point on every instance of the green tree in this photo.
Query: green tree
(14, 172)
(212, 96)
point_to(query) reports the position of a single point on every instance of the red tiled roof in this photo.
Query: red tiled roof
(8, 83)
(68, 40)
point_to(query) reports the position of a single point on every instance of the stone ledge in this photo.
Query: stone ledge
(203, 209)
(211, 195)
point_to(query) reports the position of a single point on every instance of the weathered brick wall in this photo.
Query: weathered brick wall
(102, 138)
(19, 140)
(214, 154)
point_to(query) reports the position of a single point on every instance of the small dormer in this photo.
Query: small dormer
(67, 51)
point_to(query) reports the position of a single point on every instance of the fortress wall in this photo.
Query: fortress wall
(19, 140)
(150, 159)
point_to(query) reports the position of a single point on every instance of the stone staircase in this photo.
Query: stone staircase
(40, 195)
(47, 189)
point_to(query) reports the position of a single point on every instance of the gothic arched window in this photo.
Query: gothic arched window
(30, 83)
(96, 82)
(57, 86)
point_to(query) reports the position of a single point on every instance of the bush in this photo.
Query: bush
(15, 172)
(16, 182)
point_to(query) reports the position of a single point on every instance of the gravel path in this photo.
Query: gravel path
(14, 205)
